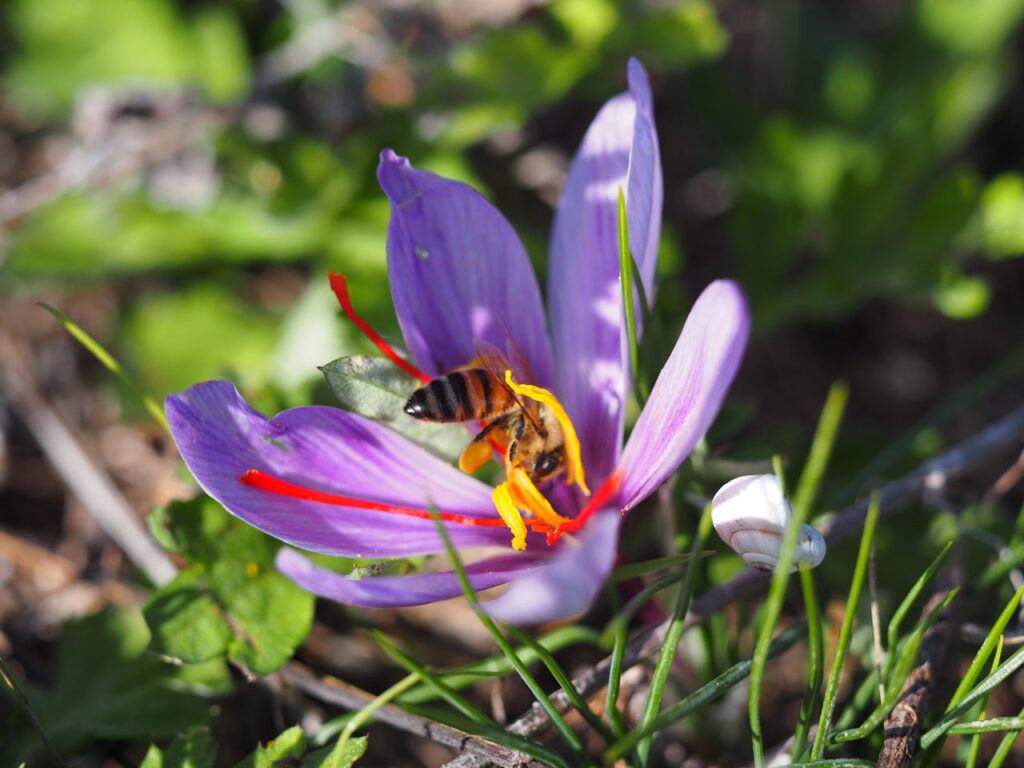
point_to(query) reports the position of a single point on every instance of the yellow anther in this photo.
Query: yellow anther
(573, 464)
(510, 514)
(526, 496)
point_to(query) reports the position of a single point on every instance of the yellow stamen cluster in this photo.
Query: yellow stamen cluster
(573, 464)
(518, 492)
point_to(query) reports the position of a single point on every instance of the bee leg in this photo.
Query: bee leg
(488, 428)
(517, 432)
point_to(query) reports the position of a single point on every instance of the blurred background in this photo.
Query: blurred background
(178, 177)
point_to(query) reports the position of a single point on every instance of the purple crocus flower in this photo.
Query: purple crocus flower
(339, 484)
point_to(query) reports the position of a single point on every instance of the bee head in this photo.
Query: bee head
(548, 465)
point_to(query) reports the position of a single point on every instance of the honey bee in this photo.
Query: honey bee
(527, 431)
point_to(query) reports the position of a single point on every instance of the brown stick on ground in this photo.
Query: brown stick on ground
(348, 696)
(904, 724)
(934, 473)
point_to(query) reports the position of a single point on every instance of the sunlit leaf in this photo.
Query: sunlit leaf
(233, 597)
(376, 388)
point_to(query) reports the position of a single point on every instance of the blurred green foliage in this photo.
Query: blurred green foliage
(109, 687)
(841, 162)
(64, 45)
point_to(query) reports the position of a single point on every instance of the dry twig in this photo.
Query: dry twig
(347, 696)
(904, 724)
(93, 487)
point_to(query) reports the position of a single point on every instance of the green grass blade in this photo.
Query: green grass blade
(903, 666)
(97, 351)
(617, 633)
(506, 647)
(1003, 750)
(828, 704)
(815, 664)
(972, 756)
(611, 704)
(458, 702)
(626, 614)
(497, 666)
(1005, 669)
(626, 280)
(815, 643)
(810, 479)
(564, 682)
(366, 712)
(993, 639)
(821, 449)
(663, 667)
(858, 702)
(650, 566)
(987, 726)
(498, 735)
(703, 695)
(22, 700)
(901, 612)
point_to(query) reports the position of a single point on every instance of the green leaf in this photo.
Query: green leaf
(376, 388)
(107, 687)
(289, 744)
(195, 749)
(233, 596)
(185, 621)
(342, 755)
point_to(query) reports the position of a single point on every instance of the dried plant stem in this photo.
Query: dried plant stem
(904, 724)
(88, 481)
(342, 694)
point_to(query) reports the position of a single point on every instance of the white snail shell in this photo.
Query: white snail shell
(750, 513)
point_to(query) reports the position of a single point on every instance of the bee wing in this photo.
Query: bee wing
(493, 359)
(519, 366)
(496, 363)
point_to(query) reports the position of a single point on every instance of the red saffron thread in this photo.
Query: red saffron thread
(608, 489)
(265, 482)
(340, 288)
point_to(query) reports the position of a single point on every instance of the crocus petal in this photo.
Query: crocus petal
(644, 188)
(396, 591)
(458, 272)
(566, 584)
(619, 150)
(325, 449)
(689, 391)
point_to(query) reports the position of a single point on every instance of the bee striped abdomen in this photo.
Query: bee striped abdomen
(463, 395)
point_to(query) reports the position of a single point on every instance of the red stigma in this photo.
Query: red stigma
(607, 490)
(340, 288)
(257, 479)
